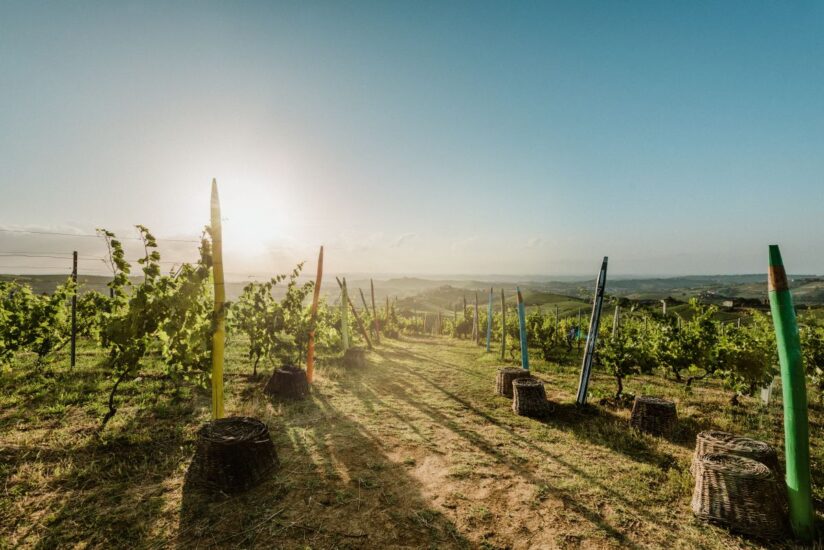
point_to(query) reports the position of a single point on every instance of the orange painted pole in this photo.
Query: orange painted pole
(310, 352)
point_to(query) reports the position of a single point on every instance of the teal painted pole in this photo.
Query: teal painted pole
(796, 427)
(592, 334)
(489, 322)
(522, 327)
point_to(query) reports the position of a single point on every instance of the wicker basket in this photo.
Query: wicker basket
(740, 494)
(233, 454)
(653, 415)
(713, 442)
(288, 382)
(506, 375)
(529, 398)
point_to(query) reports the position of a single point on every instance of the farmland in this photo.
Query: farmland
(414, 450)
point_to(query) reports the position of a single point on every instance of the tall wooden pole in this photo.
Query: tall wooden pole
(615, 320)
(475, 322)
(219, 336)
(310, 352)
(344, 315)
(361, 326)
(375, 314)
(580, 330)
(592, 335)
(489, 322)
(74, 310)
(522, 330)
(503, 324)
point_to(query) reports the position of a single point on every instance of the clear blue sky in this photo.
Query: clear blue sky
(443, 137)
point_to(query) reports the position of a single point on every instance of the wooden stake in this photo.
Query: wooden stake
(355, 313)
(503, 324)
(219, 336)
(74, 310)
(310, 352)
(375, 314)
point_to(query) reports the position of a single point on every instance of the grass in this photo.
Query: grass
(413, 451)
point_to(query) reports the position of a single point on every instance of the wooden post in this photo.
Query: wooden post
(219, 336)
(355, 313)
(557, 336)
(310, 352)
(503, 324)
(74, 310)
(615, 320)
(363, 301)
(522, 330)
(489, 322)
(664, 307)
(580, 330)
(464, 309)
(344, 316)
(592, 335)
(475, 322)
(375, 314)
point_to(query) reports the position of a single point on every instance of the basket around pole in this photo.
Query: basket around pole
(506, 375)
(287, 382)
(653, 415)
(739, 493)
(233, 454)
(529, 398)
(714, 441)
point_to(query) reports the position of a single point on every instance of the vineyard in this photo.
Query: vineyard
(103, 394)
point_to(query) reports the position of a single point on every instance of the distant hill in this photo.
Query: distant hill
(442, 295)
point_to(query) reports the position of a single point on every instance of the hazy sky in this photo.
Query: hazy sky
(443, 137)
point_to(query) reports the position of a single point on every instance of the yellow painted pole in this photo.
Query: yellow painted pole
(310, 352)
(219, 336)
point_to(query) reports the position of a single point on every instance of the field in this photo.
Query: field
(413, 451)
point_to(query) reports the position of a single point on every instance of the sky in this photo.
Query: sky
(517, 138)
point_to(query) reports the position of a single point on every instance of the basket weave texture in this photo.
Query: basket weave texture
(653, 415)
(233, 454)
(713, 442)
(506, 375)
(529, 398)
(289, 382)
(740, 494)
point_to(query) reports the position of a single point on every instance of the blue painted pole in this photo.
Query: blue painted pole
(592, 334)
(489, 322)
(522, 327)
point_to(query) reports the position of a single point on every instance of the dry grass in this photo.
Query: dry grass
(414, 451)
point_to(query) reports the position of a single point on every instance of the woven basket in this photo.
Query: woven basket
(529, 398)
(233, 454)
(653, 415)
(506, 375)
(289, 382)
(740, 494)
(713, 442)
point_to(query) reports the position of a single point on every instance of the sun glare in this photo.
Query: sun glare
(253, 217)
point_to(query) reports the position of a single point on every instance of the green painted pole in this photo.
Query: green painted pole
(796, 427)
(522, 328)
